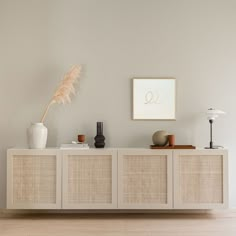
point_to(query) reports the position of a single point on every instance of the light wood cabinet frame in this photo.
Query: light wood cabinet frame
(54, 164)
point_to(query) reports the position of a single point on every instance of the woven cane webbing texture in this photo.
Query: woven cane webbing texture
(89, 179)
(201, 179)
(144, 179)
(34, 179)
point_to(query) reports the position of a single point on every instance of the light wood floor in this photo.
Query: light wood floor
(217, 224)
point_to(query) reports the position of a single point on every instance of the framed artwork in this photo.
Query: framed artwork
(154, 98)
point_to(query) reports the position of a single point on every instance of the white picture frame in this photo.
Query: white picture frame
(154, 98)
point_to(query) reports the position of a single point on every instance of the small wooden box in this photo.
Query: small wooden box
(173, 147)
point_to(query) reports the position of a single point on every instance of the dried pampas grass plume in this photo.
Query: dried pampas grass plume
(66, 88)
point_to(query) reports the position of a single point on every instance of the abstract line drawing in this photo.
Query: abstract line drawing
(154, 98)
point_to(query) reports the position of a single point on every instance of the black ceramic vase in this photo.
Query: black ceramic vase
(99, 138)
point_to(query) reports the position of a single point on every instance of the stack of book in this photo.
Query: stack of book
(74, 146)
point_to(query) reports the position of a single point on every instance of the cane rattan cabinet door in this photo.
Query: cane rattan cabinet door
(33, 179)
(144, 179)
(90, 179)
(200, 179)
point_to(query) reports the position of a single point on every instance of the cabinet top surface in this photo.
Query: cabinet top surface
(114, 148)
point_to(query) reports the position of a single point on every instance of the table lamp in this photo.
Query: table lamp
(212, 114)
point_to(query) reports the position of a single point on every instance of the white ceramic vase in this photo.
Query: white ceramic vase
(37, 136)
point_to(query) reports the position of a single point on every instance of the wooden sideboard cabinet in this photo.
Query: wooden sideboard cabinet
(117, 179)
(33, 179)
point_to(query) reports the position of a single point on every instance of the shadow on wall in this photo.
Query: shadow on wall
(52, 136)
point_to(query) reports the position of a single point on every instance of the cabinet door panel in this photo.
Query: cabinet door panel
(33, 179)
(200, 179)
(89, 180)
(144, 179)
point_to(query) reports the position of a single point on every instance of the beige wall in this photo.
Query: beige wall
(191, 40)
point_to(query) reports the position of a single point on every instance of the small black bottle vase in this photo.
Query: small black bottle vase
(99, 138)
